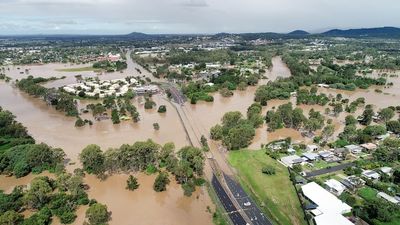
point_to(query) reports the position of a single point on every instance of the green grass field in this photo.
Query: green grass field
(367, 193)
(79, 69)
(274, 192)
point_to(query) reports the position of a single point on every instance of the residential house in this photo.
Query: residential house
(386, 170)
(335, 187)
(291, 160)
(370, 174)
(353, 182)
(312, 148)
(388, 198)
(291, 151)
(310, 157)
(369, 147)
(340, 152)
(323, 85)
(355, 149)
(325, 154)
(329, 208)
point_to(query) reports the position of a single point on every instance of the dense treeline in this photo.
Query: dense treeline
(310, 97)
(186, 165)
(280, 89)
(19, 155)
(61, 101)
(285, 116)
(47, 198)
(110, 66)
(200, 56)
(235, 131)
(23, 159)
(12, 133)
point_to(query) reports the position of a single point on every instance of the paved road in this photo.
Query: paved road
(252, 211)
(328, 170)
(254, 214)
(177, 95)
(227, 203)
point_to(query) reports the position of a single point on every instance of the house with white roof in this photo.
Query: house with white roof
(388, 198)
(312, 148)
(383, 136)
(386, 170)
(291, 160)
(329, 209)
(310, 157)
(370, 174)
(335, 187)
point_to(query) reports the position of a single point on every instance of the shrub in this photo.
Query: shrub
(161, 182)
(269, 170)
(131, 183)
(162, 109)
(79, 122)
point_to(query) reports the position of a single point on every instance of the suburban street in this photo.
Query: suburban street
(328, 170)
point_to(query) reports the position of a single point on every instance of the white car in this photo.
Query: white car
(247, 204)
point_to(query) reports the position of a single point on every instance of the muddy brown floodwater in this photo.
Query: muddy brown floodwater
(208, 114)
(144, 206)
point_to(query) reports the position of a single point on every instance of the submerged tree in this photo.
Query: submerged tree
(161, 182)
(132, 183)
(97, 214)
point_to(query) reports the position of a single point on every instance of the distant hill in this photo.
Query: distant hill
(298, 32)
(383, 32)
(138, 35)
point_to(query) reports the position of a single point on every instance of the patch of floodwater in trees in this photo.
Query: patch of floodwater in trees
(207, 114)
(7, 183)
(145, 206)
(142, 206)
(47, 125)
(389, 95)
(379, 100)
(278, 69)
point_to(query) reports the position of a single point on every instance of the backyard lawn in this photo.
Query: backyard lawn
(275, 192)
(367, 193)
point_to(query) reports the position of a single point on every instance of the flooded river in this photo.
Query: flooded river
(144, 206)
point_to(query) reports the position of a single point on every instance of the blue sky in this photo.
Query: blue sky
(191, 16)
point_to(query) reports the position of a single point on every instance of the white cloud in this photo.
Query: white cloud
(192, 16)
